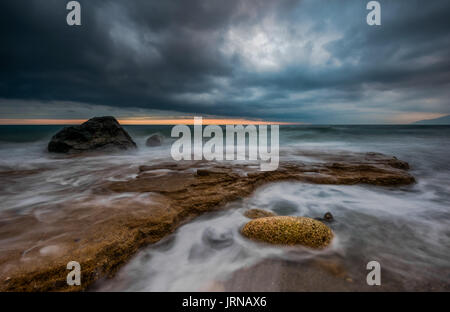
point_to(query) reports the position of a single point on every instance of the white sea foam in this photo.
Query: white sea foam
(406, 229)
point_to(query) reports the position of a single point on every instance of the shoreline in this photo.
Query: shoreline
(178, 192)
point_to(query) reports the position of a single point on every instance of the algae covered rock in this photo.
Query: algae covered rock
(258, 213)
(287, 230)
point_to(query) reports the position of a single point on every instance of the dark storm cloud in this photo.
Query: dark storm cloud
(312, 61)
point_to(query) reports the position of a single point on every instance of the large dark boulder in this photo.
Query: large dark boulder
(98, 133)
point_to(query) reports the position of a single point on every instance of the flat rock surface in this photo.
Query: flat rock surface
(36, 248)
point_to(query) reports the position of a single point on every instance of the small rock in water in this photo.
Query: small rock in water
(285, 230)
(327, 217)
(216, 239)
(258, 213)
(154, 140)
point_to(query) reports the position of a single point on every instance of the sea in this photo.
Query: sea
(406, 229)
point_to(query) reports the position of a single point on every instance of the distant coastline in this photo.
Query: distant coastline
(444, 120)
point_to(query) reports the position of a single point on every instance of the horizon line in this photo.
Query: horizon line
(142, 121)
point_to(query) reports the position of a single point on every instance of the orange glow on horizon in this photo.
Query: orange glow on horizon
(143, 121)
(411, 117)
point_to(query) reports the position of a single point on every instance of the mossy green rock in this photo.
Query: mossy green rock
(287, 230)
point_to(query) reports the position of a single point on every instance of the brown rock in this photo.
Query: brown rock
(258, 213)
(285, 230)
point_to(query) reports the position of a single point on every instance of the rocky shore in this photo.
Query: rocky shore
(103, 237)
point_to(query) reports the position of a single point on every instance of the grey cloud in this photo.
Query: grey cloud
(286, 60)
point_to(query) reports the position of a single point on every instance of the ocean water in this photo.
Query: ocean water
(406, 229)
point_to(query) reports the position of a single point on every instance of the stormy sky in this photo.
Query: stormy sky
(312, 61)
